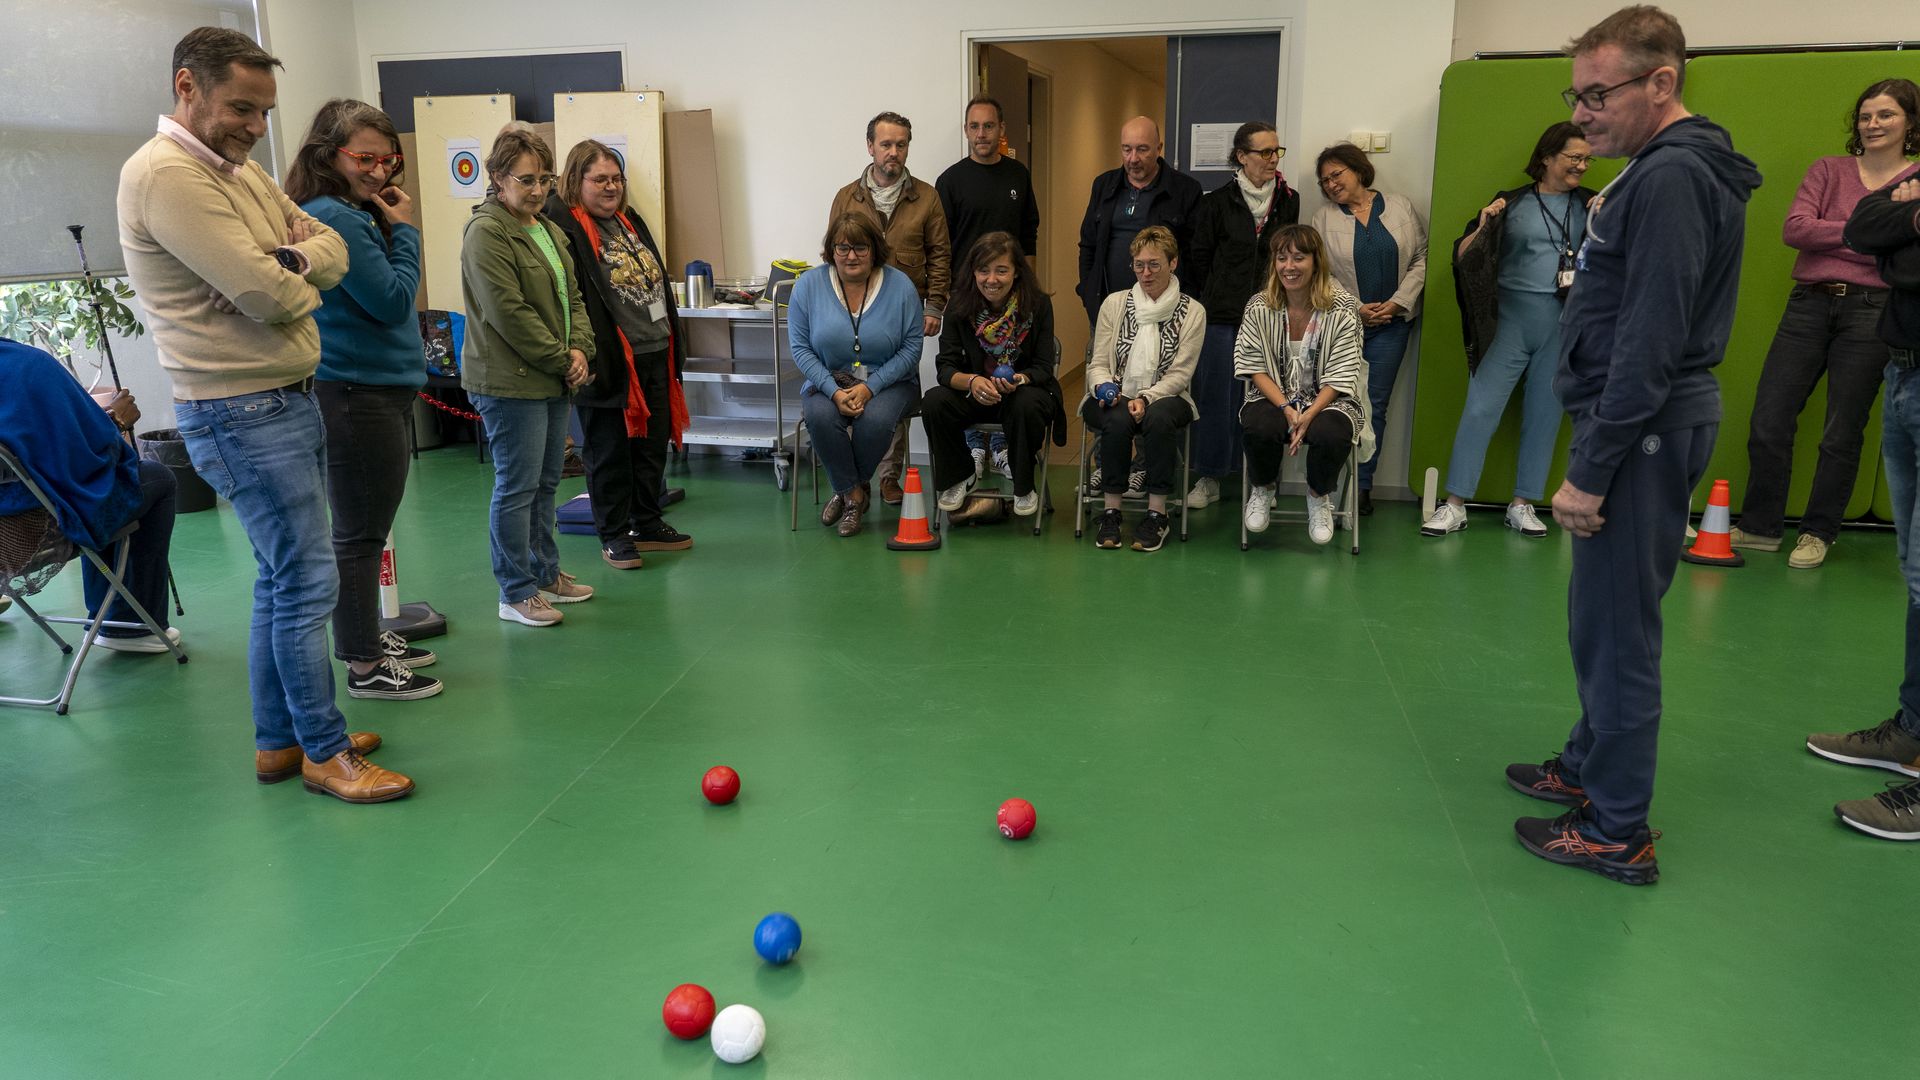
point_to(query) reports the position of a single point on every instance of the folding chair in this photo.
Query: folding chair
(813, 467)
(1347, 513)
(1085, 496)
(33, 551)
(1005, 494)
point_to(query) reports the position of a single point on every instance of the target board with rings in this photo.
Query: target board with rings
(465, 167)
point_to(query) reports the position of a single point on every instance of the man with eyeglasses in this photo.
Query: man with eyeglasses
(1143, 191)
(230, 273)
(908, 213)
(1648, 318)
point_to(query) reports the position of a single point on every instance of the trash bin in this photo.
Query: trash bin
(166, 447)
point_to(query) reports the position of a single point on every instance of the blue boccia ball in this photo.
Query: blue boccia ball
(1004, 372)
(1107, 392)
(777, 938)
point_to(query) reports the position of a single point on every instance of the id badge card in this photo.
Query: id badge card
(860, 371)
(657, 311)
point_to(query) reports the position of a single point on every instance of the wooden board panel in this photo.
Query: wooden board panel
(636, 115)
(443, 218)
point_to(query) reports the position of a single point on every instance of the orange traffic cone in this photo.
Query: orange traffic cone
(913, 534)
(1714, 545)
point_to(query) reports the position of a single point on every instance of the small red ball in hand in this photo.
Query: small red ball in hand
(688, 1011)
(720, 785)
(1016, 819)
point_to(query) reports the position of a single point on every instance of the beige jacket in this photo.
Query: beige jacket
(1409, 233)
(1113, 333)
(189, 231)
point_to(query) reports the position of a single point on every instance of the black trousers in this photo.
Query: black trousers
(1819, 334)
(1614, 626)
(147, 548)
(1329, 441)
(367, 458)
(948, 413)
(1159, 431)
(624, 475)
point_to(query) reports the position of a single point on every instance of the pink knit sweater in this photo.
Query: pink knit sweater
(1819, 212)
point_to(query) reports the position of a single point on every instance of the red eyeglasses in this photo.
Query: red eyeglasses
(393, 162)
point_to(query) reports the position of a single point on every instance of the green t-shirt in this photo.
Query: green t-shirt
(544, 242)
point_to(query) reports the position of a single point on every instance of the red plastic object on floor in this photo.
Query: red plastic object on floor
(688, 1011)
(1017, 819)
(721, 785)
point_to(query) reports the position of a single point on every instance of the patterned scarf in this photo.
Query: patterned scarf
(1002, 334)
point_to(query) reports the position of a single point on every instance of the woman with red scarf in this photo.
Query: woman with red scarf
(995, 365)
(631, 404)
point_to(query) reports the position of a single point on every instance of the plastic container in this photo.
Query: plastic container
(191, 494)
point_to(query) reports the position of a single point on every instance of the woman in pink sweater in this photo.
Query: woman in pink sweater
(1828, 327)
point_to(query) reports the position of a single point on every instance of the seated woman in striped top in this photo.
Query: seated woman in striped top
(1299, 349)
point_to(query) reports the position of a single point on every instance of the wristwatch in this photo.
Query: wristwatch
(287, 258)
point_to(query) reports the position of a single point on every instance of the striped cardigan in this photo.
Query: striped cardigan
(1333, 359)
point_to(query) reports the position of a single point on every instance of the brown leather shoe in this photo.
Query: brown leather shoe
(850, 517)
(351, 778)
(273, 766)
(891, 492)
(830, 513)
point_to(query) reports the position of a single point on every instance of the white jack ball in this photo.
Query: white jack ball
(738, 1034)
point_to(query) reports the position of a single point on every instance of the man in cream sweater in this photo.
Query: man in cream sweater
(230, 272)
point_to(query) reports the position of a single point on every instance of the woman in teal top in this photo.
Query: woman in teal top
(371, 362)
(525, 350)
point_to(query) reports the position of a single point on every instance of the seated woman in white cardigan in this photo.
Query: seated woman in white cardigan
(1300, 351)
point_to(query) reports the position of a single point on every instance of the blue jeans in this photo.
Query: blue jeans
(266, 454)
(1384, 347)
(529, 441)
(1527, 343)
(1217, 397)
(146, 575)
(977, 440)
(1900, 446)
(851, 449)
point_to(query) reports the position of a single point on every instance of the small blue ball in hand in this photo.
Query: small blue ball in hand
(1004, 372)
(1107, 392)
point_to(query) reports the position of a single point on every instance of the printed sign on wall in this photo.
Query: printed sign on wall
(463, 169)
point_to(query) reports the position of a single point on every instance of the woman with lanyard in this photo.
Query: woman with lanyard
(995, 366)
(854, 328)
(1512, 270)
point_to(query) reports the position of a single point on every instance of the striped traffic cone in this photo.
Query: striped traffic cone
(913, 534)
(1714, 545)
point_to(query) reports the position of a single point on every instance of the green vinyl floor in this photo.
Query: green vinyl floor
(1274, 838)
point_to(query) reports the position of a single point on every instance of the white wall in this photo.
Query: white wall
(1527, 25)
(317, 42)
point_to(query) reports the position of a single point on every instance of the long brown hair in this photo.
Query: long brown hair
(314, 171)
(1304, 240)
(967, 301)
(585, 155)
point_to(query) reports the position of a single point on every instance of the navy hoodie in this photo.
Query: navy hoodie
(1652, 303)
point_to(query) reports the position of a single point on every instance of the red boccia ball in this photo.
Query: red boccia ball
(688, 1011)
(1016, 819)
(720, 785)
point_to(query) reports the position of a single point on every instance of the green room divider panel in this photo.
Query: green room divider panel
(1783, 111)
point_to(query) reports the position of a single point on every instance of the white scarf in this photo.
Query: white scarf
(1259, 199)
(1144, 359)
(885, 198)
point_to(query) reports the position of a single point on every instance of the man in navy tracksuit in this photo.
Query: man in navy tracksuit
(1648, 318)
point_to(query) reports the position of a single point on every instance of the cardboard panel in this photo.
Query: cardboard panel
(636, 115)
(693, 226)
(442, 216)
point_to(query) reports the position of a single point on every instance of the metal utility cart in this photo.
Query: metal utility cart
(756, 355)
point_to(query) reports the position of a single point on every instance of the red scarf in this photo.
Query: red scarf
(636, 413)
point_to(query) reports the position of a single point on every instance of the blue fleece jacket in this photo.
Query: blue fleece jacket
(369, 330)
(820, 332)
(1652, 302)
(67, 444)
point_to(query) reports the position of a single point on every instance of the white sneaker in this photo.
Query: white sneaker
(1206, 492)
(1522, 519)
(1260, 508)
(1001, 465)
(1094, 481)
(143, 643)
(1136, 483)
(979, 462)
(1027, 505)
(1447, 518)
(955, 497)
(1320, 518)
(533, 611)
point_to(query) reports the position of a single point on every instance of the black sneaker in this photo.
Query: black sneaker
(399, 648)
(659, 536)
(621, 554)
(1151, 532)
(392, 681)
(1572, 840)
(669, 496)
(1545, 781)
(1108, 529)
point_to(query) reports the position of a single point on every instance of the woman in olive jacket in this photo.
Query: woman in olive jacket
(525, 350)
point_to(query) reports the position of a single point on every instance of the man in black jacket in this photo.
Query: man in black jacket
(1648, 318)
(1886, 225)
(628, 404)
(1143, 191)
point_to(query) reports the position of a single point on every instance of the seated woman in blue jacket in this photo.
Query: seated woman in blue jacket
(855, 330)
(74, 451)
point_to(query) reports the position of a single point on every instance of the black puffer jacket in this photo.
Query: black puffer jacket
(1229, 260)
(1476, 274)
(606, 386)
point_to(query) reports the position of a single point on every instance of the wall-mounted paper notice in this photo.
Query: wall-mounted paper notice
(463, 169)
(1211, 149)
(617, 144)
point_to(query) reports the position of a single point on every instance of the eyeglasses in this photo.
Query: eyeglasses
(1274, 153)
(393, 162)
(1577, 160)
(1333, 174)
(614, 181)
(851, 249)
(1146, 266)
(532, 181)
(1596, 100)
